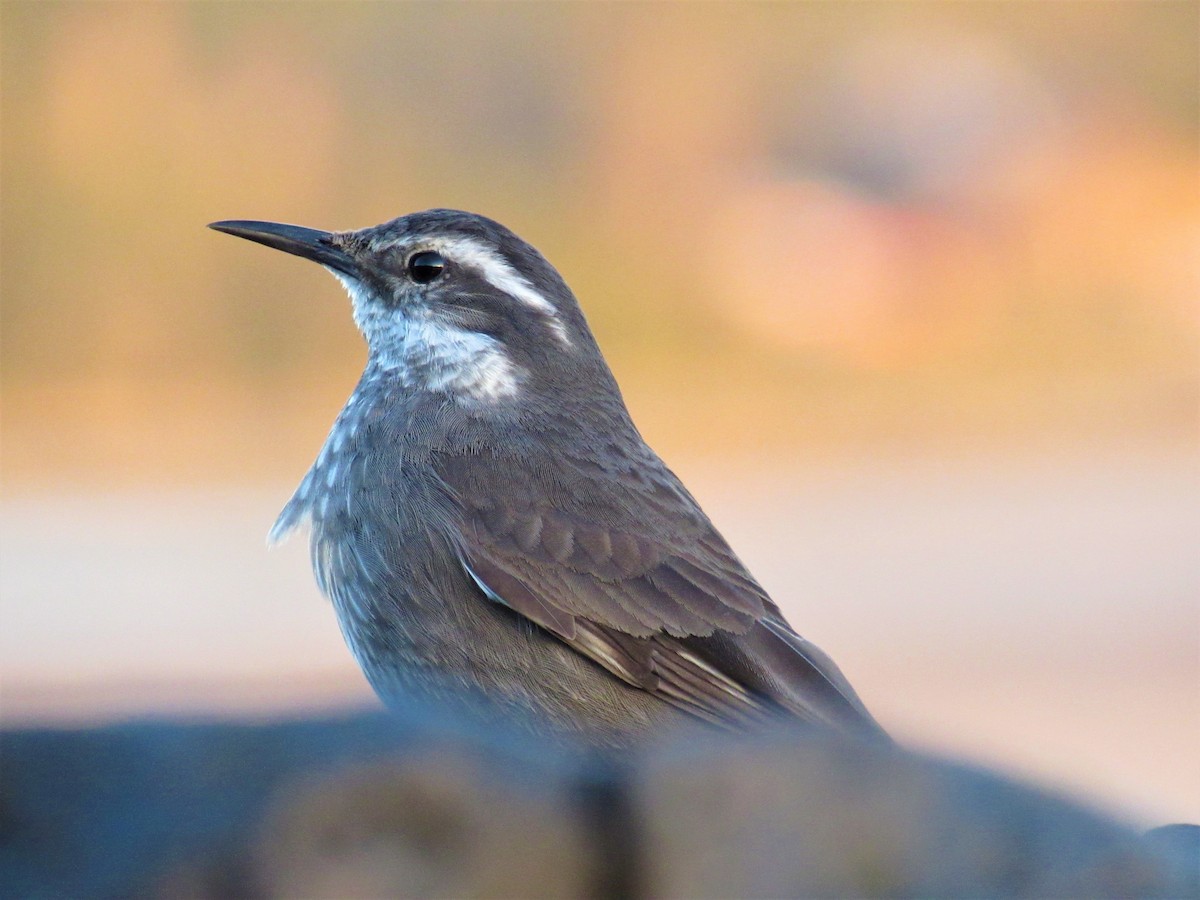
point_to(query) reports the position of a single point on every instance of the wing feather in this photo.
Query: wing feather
(632, 575)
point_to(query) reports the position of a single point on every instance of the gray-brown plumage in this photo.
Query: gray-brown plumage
(487, 520)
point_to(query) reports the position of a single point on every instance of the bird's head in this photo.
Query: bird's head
(453, 303)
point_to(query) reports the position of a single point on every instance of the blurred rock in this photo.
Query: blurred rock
(442, 824)
(819, 817)
(412, 805)
(1182, 842)
(365, 805)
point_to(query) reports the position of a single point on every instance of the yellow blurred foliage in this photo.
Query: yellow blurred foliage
(839, 222)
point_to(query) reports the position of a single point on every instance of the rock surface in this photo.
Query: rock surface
(413, 805)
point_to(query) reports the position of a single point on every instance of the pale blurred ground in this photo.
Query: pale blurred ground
(1039, 616)
(907, 293)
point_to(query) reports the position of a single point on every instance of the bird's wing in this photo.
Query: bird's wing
(635, 577)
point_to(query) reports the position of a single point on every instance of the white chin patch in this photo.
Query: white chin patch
(431, 355)
(466, 364)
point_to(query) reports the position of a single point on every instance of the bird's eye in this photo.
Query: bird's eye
(426, 266)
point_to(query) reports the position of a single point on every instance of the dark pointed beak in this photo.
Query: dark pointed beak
(307, 242)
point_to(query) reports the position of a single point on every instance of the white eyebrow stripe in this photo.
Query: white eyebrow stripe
(499, 274)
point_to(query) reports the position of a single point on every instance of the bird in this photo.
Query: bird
(488, 522)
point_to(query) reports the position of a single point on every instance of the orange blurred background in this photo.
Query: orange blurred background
(907, 293)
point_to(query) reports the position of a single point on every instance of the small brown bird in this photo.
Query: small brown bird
(487, 520)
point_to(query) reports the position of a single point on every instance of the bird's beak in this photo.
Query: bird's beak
(307, 242)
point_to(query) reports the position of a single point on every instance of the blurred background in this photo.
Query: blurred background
(907, 293)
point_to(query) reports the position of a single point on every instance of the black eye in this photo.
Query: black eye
(425, 267)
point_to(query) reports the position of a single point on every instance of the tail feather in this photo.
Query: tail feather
(793, 673)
